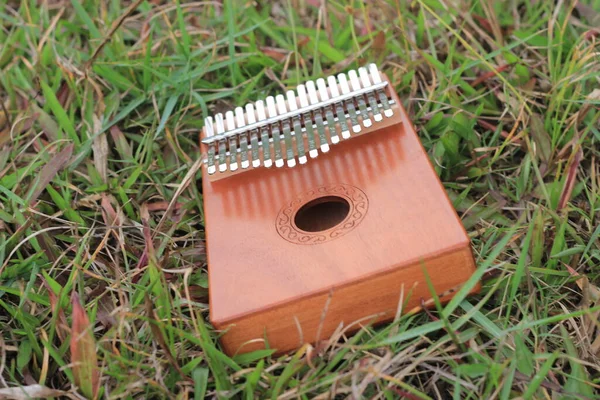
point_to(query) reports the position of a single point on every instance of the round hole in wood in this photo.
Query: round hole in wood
(322, 213)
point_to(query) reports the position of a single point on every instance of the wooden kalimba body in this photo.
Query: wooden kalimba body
(322, 208)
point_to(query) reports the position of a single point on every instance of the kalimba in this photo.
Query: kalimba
(322, 209)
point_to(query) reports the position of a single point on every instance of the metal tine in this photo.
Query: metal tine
(339, 107)
(230, 120)
(264, 134)
(287, 135)
(241, 122)
(222, 145)
(376, 78)
(251, 117)
(210, 131)
(362, 105)
(366, 82)
(275, 132)
(308, 122)
(349, 103)
(297, 125)
(312, 95)
(324, 95)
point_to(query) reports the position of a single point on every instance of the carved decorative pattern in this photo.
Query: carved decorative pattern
(356, 198)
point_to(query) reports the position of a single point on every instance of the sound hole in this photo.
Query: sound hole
(322, 213)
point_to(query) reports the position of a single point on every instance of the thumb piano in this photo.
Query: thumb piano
(322, 209)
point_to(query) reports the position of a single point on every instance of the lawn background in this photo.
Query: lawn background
(103, 284)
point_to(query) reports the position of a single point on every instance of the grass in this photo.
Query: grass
(103, 283)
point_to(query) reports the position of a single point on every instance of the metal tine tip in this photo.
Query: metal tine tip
(282, 109)
(366, 82)
(260, 112)
(250, 115)
(355, 83)
(271, 108)
(219, 123)
(324, 95)
(312, 92)
(343, 80)
(333, 87)
(209, 128)
(364, 77)
(322, 89)
(301, 89)
(345, 90)
(374, 73)
(343, 83)
(230, 120)
(291, 99)
(239, 117)
(280, 100)
(251, 119)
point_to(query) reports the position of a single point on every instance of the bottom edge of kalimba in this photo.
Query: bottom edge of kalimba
(346, 308)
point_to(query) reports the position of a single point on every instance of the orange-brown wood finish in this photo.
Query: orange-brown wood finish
(270, 282)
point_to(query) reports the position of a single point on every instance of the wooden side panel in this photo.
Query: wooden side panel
(371, 300)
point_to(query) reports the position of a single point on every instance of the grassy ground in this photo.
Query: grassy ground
(103, 283)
